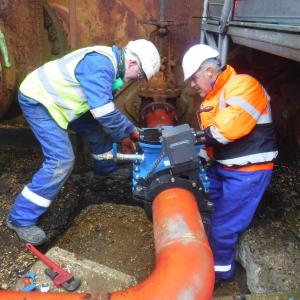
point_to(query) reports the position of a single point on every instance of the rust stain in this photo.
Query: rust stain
(107, 22)
(143, 8)
(19, 20)
(29, 43)
(99, 22)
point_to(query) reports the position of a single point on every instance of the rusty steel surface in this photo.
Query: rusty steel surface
(117, 22)
(31, 39)
(22, 23)
(89, 22)
(18, 21)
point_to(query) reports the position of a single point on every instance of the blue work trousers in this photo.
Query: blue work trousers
(37, 195)
(235, 195)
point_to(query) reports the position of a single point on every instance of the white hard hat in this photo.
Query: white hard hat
(194, 57)
(147, 54)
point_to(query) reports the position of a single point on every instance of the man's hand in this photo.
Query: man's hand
(134, 135)
(128, 144)
(200, 137)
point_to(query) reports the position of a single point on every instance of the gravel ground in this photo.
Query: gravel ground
(18, 164)
(16, 168)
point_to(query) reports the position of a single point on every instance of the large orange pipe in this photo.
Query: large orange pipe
(184, 262)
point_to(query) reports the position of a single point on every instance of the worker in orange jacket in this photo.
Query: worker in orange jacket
(240, 142)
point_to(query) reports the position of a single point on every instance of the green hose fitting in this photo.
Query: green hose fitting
(4, 51)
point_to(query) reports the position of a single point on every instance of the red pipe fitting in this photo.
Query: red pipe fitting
(157, 114)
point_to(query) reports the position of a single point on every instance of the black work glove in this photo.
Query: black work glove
(200, 137)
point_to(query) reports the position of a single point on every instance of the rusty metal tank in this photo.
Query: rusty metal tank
(108, 22)
(46, 29)
(30, 34)
(169, 24)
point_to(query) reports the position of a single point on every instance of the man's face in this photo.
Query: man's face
(201, 82)
(133, 71)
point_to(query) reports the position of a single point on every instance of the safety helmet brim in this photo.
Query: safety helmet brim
(194, 57)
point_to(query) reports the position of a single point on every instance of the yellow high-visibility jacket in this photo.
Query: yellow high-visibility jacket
(56, 87)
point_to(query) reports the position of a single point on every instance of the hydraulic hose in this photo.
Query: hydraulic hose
(184, 263)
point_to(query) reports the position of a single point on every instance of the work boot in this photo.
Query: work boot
(118, 174)
(29, 234)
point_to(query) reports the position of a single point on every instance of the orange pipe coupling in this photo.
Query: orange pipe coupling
(184, 262)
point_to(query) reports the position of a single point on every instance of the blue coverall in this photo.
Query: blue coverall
(235, 195)
(95, 73)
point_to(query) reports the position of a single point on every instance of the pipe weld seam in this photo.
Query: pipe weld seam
(187, 238)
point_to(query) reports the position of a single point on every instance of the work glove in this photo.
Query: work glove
(128, 144)
(135, 134)
(200, 136)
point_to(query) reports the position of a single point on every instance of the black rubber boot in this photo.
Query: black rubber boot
(28, 234)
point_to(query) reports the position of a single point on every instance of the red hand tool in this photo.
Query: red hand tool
(60, 277)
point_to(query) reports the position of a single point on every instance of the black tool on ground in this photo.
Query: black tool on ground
(60, 277)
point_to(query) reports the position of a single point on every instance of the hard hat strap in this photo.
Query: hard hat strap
(121, 65)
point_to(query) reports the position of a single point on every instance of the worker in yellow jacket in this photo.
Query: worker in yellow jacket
(240, 142)
(75, 92)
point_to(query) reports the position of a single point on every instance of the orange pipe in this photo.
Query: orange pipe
(184, 262)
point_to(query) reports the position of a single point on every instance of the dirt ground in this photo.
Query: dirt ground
(123, 237)
(18, 162)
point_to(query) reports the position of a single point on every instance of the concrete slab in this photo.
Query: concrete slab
(95, 278)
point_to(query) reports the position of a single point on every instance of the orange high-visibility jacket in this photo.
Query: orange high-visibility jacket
(239, 127)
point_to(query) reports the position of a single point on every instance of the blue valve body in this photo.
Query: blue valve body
(152, 152)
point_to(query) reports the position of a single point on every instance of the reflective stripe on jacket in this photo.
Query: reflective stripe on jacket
(56, 87)
(240, 122)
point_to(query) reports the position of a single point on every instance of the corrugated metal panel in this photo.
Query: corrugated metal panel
(268, 11)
